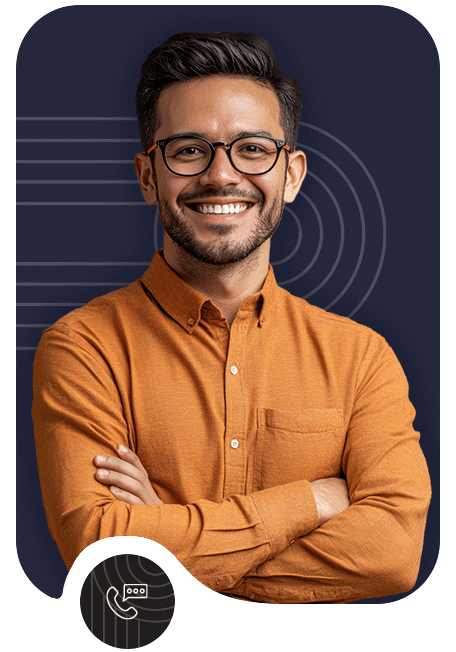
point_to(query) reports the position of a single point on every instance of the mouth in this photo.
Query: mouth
(228, 208)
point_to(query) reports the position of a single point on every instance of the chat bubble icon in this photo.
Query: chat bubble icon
(134, 591)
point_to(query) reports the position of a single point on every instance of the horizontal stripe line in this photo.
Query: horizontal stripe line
(49, 304)
(78, 140)
(33, 325)
(68, 181)
(68, 264)
(52, 161)
(81, 203)
(26, 348)
(64, 118)
(68, 284)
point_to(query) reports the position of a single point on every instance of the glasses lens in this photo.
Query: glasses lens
(250, 155)
(187, 155)
(254, 155)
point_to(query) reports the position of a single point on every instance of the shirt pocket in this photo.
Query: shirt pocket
(297, 445)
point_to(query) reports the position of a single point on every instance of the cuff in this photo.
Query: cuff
(288, 511)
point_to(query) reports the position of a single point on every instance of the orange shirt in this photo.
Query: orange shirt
(231, 425)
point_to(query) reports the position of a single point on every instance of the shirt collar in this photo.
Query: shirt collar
(184, 304)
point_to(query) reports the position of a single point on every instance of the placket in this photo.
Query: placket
(235, 403)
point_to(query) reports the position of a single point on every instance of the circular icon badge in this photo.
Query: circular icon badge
(127, 601)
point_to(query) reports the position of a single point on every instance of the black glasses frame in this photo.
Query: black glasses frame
(161, 144)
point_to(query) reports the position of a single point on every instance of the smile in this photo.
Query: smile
(220, 209)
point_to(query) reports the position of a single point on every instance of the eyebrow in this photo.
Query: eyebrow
(197, 134)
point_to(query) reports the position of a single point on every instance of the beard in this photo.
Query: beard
(226, 250)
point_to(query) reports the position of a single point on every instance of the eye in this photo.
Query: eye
(254, 147)
(186, 149)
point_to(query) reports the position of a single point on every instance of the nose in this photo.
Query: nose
(220, 173)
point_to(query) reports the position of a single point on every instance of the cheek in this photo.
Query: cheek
(273, 184)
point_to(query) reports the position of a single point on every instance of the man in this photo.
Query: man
(266, 443)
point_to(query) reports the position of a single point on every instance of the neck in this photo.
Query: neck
(226, 285)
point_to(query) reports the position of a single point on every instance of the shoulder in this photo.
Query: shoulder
(102, 324)
(318, 317)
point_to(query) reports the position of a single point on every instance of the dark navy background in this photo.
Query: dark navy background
(369, 78)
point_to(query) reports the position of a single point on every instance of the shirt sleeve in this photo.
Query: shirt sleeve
(77, 413)
(373, 548)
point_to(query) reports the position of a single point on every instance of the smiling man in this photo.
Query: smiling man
(265, 442)
(224, 176)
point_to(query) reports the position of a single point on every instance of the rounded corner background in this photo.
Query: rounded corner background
(32, 30)
(36, 23)
(414, 21)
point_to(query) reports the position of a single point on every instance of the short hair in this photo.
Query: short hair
(189, 55)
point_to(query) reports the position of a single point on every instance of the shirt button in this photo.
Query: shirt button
(234, 370)
(190, 321)
(234, 443)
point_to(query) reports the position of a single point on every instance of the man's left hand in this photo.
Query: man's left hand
(127, 478)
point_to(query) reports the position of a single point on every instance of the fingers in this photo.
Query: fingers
(122, 475)
(123, 482)
(125, 496)
(128, 478)
(130, 465)
(130, 457)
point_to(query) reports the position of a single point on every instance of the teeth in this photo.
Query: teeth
(226, 209)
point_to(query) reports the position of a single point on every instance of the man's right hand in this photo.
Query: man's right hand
(331, 496)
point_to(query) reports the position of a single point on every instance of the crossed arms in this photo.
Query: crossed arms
(280, 544)
(128, 481)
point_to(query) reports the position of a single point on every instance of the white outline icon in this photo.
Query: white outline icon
(136, 591)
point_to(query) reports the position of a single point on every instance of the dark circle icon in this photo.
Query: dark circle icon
(127, 601)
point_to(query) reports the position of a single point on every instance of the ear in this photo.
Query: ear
(143, 169)
(296, 171)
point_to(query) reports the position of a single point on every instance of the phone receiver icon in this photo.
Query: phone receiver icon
(112, 598)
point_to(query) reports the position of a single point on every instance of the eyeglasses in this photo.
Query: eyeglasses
(190, 156)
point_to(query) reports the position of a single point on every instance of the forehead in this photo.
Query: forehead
(218, 108)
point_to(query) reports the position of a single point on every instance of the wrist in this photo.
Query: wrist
(319, 506)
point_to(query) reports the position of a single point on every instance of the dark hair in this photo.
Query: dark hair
(186, 56)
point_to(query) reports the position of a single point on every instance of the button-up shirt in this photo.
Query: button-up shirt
(232, 424)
